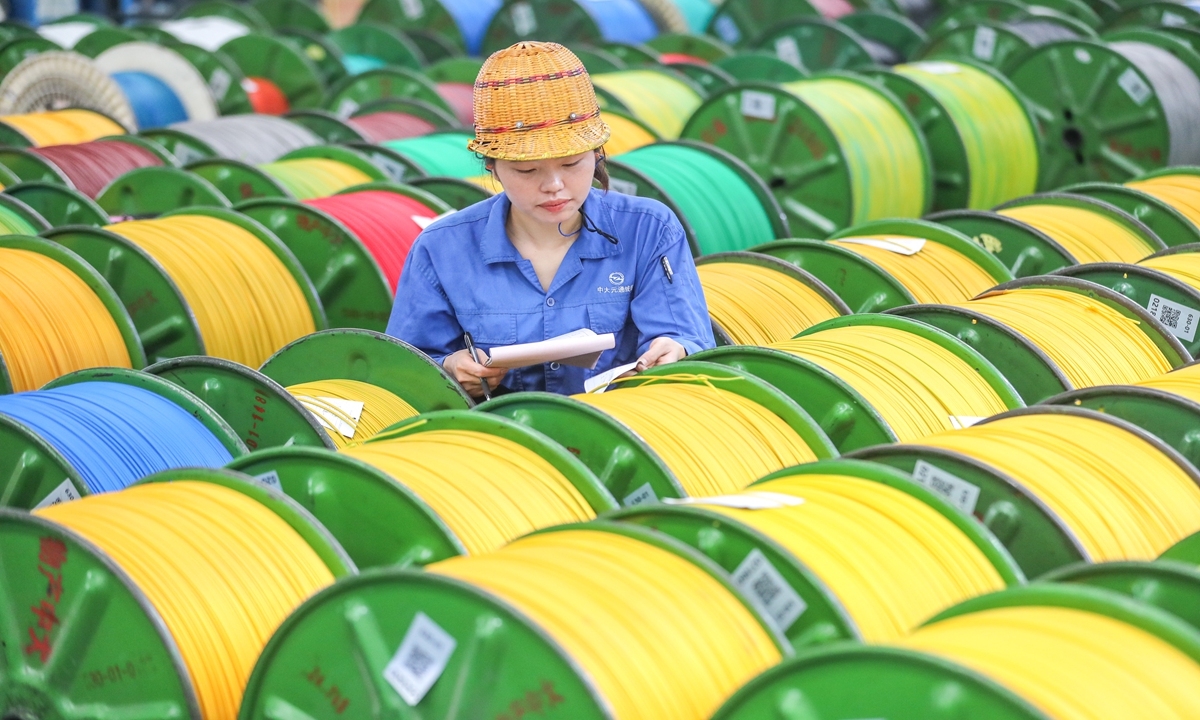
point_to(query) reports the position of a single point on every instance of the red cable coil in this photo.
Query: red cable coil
(461, 97)
(672, 58)
(265, 96)
(383, 221)
(387, 125)
(91, 166)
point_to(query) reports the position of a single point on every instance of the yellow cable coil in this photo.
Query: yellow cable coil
(934, 274)
(487, 489)
(487, 182)
(882, 150)
(246, 302)
(1181, 192)
(1184, 382)
(1091, 343)
(660, 638)
(892, 561)
(714, 441)
(380, 408)
(757, 305)
(1070, 664)
(63, 127)
(221, 569)
(308, 178)
(626, 135)
(53, 323)
(663, 102)
(1184, 267)
(1121, 497)
(1089, 236)
(916, 385)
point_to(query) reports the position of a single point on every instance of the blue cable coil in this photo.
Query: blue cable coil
(472, 18)
(115, 434)
(154, 103)
(625, 21)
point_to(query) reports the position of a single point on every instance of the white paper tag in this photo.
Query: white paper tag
(420, 659)
(65, 492)
(898, 245)
(958, 422)
(524, 21)
(413, 9)
(219, 82)
(1179, 319)
(346, 108)
(1170, 19)
(270, 479)
(68, 34)
(959, 492)
(599, 383)
(788, 51)
(727, 29)
(625, 187)
(763, 586)
(331, 420)
(1134, 86)
(937, 68)
(748, 500)
(186, 154)
(984, 46)
(642, 496)
(757, 104)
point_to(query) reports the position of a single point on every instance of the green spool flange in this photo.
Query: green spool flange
(817, 44)
(439, 118)
(628, 467)
(952, 170)
(740, 22)
(101, 39)
(93, 280)
(150, 191)
(704, 47)
(261, 411)
(456, 69)
(426, 22)
(1170, 586)
(844, 415)
(17, 50)
(291, 14)
(1093, 205)
(760, 67)
(502, 658)
(596, 60)
(563, 21)
(1186, 550)
(1170, 225)
(458, 194)
(379, 41)
(344, 155)
(732, 544)
(325, 125)
(26, 166)
(710, 78)
(1171, 418)
(245, 14)
(632, 55)
(987, 42)
(1076, 10)
(391, 82)
(961, 14)
(237, 180)
(1024, 250)
(59, 205)
(1148, 288)
(181, 145)
(281, 62)
(794, 151)
(369, 357)
(222, 75)
(326, 56)
(887, 28)
(7, 178)
(802, 276)
(1093, 128)
(397, 166)
(1156, 15)
(23, 211)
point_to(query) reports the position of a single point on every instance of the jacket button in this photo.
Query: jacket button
(550, 302)
(554, 366)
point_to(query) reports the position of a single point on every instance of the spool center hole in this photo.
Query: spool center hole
(1073, 138)
(776, 183)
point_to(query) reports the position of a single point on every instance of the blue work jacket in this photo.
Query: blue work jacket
(463, 273)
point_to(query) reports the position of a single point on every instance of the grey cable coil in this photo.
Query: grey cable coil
(1178, 91)
(880, 53)
(1040, 32)
(919, 11)
(253, 139)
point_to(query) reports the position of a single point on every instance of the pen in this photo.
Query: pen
(487, 392)
(667, 269)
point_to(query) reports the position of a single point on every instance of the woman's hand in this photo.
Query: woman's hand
(467, 372)
(662, 351)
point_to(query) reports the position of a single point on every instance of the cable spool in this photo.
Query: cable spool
(333, 403)
(440, 154)
(460, 97)
(570, 21)
(308, 178)
(209, 32)
(279, 74)
(741, 22)
(61, 127)
(265, 96)
(1000, 43)
(720, 203)
(627, 133)
(379, 127)
(661, 100)
(816, 44)
(878, 149)
(91, 166)
(180, 604)
(755, 300)
(162, 87)
(932, 271)
(1181, 191)
(253, 139)
(55, 80)
(1183, 266)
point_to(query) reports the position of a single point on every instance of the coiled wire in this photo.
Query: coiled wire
(93, 165)
(626, 135)
(1178, 90)
(380, 408)
(461, 99)
(625, 21)
(660, 100)
(1040, 32)
(1184, 267)
(154, 103)
(1181, 192)
(756, 305)
(936, 273)
(379, 127)
(308, 178)
(266, 98)
(62, 127)
(440, 155)
(1184, 382)
(253, 139)
(1087, 235)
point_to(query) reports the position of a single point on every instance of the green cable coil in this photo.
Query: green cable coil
(440, 155)
(12, 223)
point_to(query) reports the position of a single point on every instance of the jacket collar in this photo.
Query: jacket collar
(495, 246)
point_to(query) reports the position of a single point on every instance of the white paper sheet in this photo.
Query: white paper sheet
(581, 348)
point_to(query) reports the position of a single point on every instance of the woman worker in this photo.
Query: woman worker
(550, 254)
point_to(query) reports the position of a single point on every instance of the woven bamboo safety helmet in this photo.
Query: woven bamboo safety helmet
(535, 101)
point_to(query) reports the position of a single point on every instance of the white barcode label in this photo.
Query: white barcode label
(523, 19)
(65, 492)
(766, 589)
(757, 104)
(219, 82)
(1179, 319)
(420, 659)
(346, 108)
(186, 154)
(335, 413)
(1170, 19)
(394, 169)
(269, 479)
(984, 46)
(898, 245)
(750, 500)
(1134, 86)
(788, 51)
(412, 9)
(642, 496)
(625, 187)
(959, 492)
(727, 29)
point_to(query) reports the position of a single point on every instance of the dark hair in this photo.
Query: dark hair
(600, 175)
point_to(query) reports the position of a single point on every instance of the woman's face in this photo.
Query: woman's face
(549, 191)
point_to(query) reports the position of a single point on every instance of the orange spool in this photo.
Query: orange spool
(265, 96)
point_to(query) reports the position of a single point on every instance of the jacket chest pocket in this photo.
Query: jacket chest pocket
(609, 317)
(490, 328)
